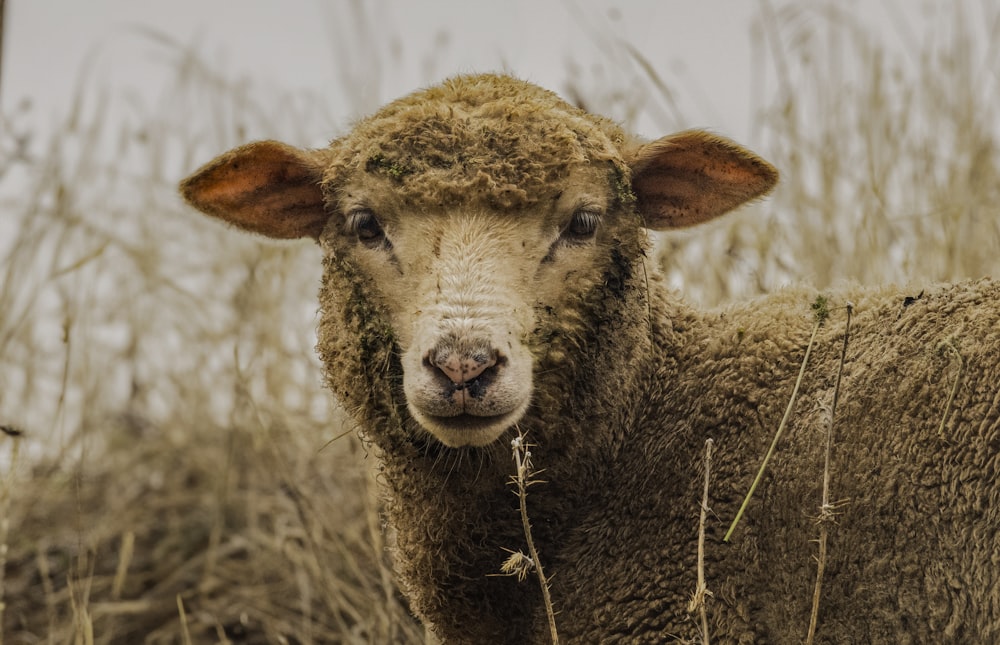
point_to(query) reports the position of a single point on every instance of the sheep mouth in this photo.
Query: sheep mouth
(468, 430)
(469, 422)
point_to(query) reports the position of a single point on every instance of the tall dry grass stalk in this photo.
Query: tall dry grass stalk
(949, 347)
(519, 564)
(827, 509)
(6, 491)
(821, 313)
(701, 592)
(161, 367)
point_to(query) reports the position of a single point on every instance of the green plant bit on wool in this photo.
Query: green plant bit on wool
(378, 163)
(821, 307)
(622, 186)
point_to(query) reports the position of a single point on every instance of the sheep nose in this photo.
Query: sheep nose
(461, 368)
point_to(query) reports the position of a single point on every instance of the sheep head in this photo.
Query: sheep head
(463, 227)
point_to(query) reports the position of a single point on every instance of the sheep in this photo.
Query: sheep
(485, 277)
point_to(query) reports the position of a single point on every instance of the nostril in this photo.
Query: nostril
(459, 367)
(452, 367)
(479, 364)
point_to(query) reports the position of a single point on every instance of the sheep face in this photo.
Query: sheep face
(476, 234)
(462, 287)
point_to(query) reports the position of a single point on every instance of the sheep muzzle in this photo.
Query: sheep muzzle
(467, 393)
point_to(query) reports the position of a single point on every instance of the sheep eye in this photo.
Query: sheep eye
(364, 224)
(582, 225)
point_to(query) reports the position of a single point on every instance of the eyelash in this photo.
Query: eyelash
(363, 223)
(581, 227)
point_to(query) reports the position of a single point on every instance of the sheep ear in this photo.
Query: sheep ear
(266, 187)
(692, 177)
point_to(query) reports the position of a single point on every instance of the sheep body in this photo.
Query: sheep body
(627, 382)
(912, 553)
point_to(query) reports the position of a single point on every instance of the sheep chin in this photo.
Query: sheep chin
(466, 430)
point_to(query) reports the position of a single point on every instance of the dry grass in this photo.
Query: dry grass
(699, 598)
(827, 509)
(819, 306)
(889, 154)
(524, 477)
(173, 483)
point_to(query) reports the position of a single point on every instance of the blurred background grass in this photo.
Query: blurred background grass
(180, 475)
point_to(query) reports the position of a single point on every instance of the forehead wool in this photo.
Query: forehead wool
(492, 139)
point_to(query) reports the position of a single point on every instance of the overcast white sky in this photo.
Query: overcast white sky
(703, 47)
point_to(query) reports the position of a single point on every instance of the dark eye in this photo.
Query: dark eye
(364, 224)
(582, 225)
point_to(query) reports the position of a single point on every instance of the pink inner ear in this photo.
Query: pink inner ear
(693, 177)
(265, 187)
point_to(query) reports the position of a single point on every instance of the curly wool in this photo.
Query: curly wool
(491, 137)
